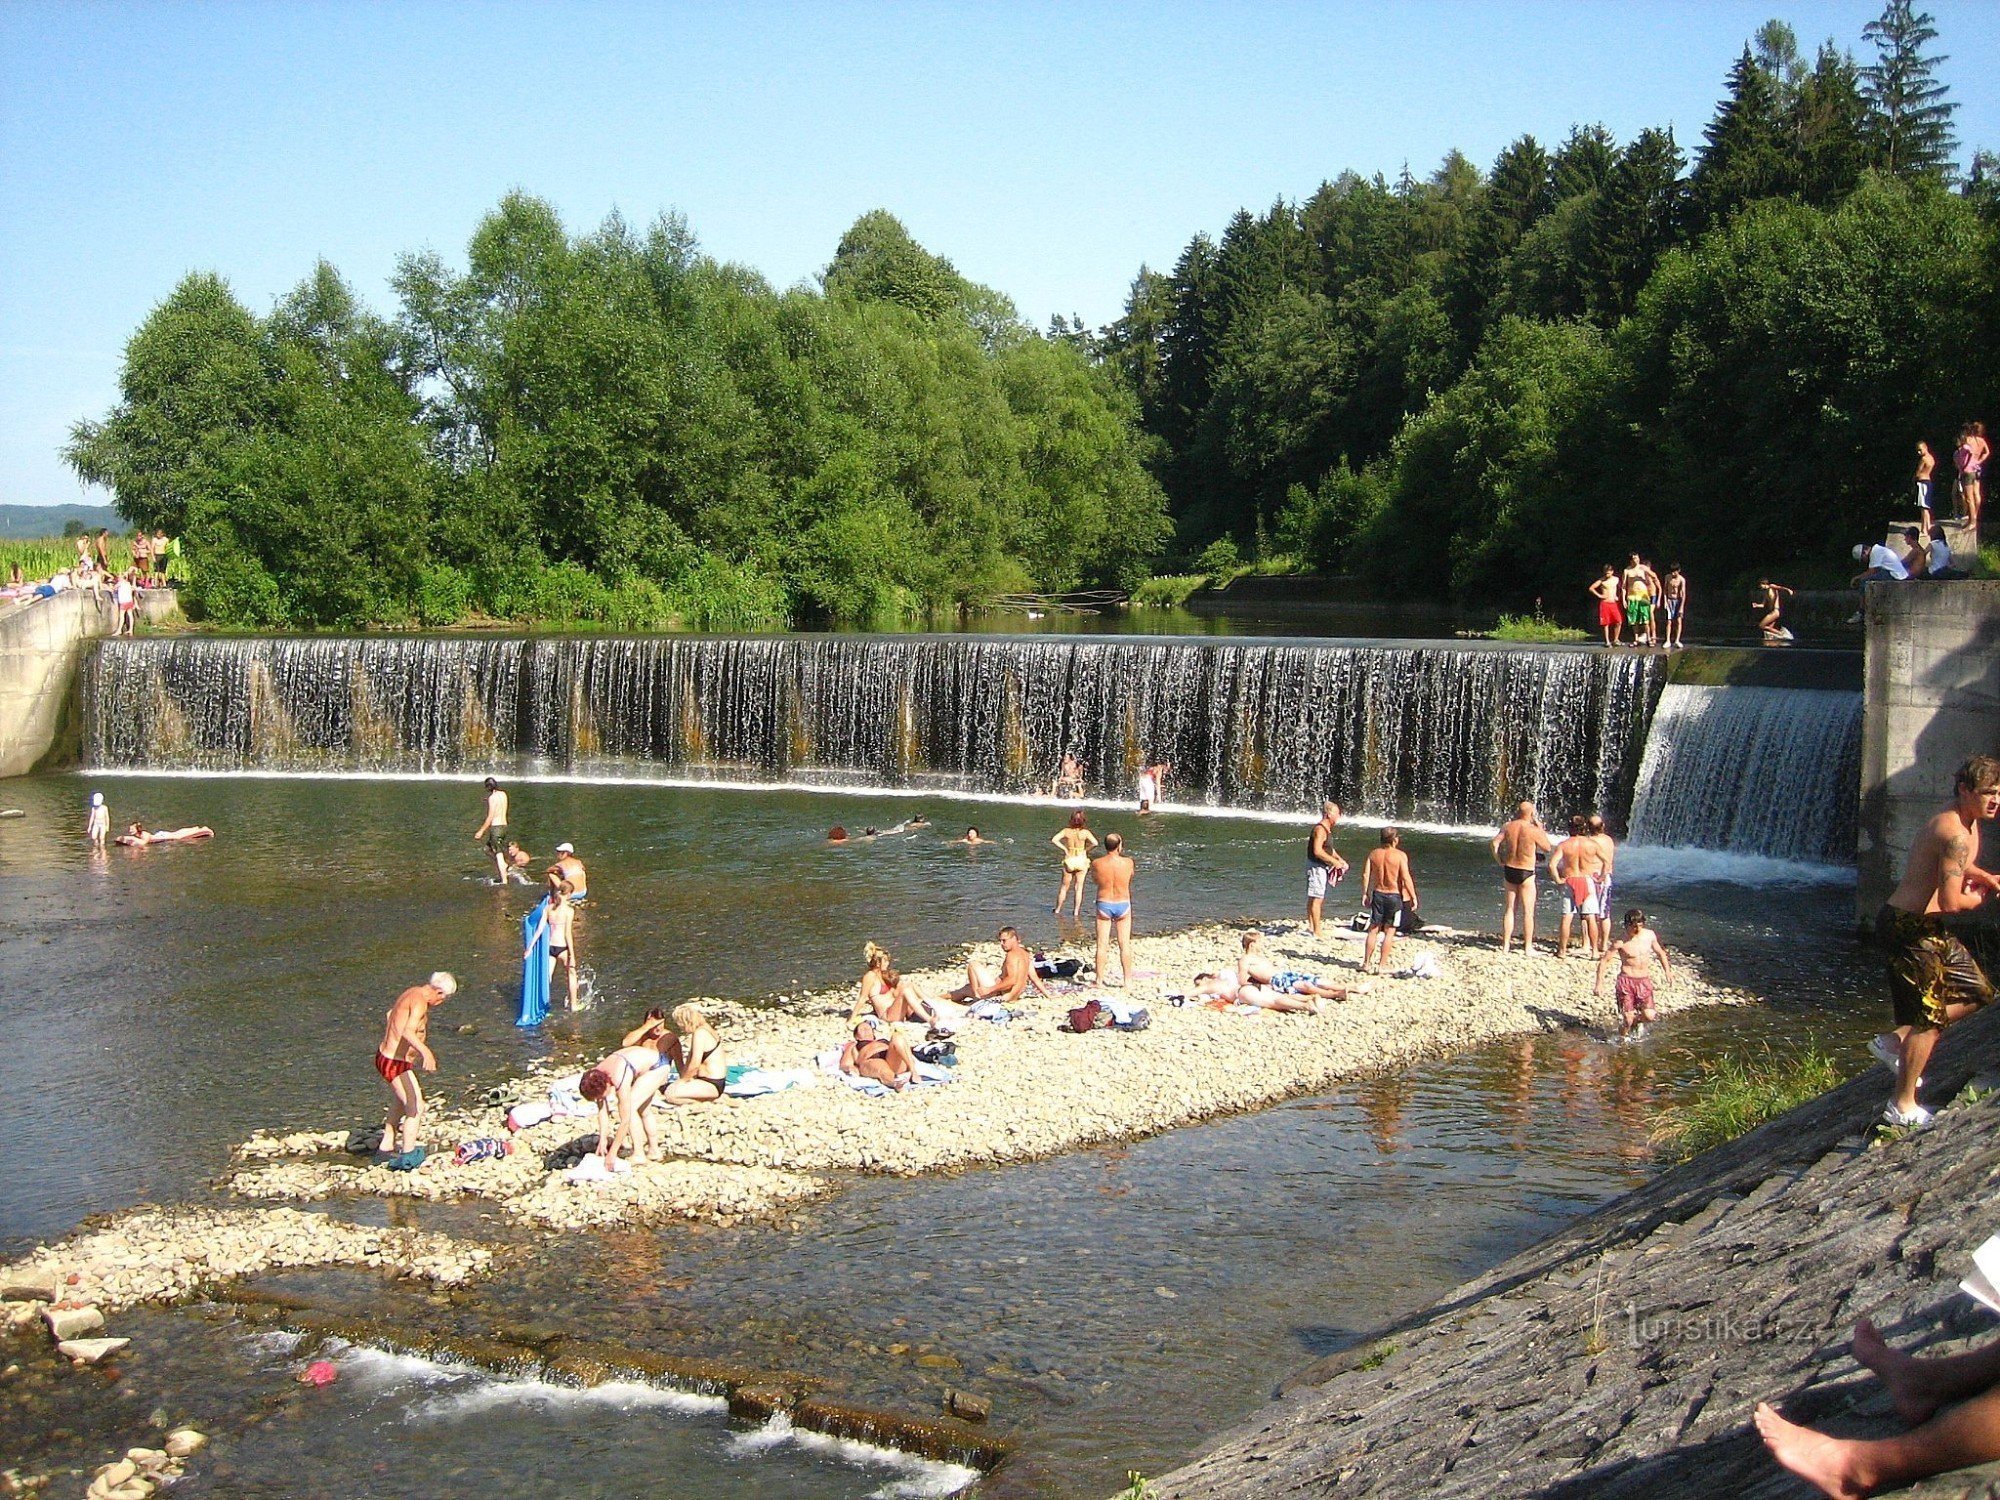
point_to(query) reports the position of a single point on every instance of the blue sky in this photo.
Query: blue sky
(1048, 150)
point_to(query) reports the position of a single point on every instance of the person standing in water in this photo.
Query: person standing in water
(1514, 848)
(1111, 871)
(97, 824)
(403, 1049)
(560, 920)
(1324, 866)
(571, 869)
(1076, 841)
(1152, 779)
(493, 832)
(1636, 955)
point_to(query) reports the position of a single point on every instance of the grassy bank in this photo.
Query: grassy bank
(1737, 1094)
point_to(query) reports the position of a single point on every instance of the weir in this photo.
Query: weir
(1431, 733)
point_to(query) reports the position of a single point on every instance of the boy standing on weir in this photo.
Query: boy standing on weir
(493, 832)
(1515, 847)
(1933, 978)
(1324, 866)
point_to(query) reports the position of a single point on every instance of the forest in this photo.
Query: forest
(1469, 385)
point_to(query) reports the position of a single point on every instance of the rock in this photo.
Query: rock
(148, 1459)
(90, 1351)
(113, 1475)
(754, 1403)
(72, 1322)
(965, 1404)
(184, 1440)
(30, 1284)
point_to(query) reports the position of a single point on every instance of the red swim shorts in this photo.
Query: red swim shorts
(1635, 996)
(1609, 613)
(392, 1068)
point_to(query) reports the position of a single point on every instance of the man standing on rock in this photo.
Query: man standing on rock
(494, 830)
(1324, 866)
(404, 1048)
(1390, 890)
(1112, 873)
(1577, 863)
(1933, 978)
(1515, 847)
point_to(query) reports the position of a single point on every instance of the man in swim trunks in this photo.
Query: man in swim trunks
(403, 1049)
(1016, 976)
(493, 832)
(1607, 850)
(1515, 847)
(1111, 871)
(1674, 605)
(570, 868)
(1638, 585)
(1324, 866)
(1636, 955)
(1387, 886)
(1577, 863)
(1262, 983)
(1934, 979)
(1610, 613)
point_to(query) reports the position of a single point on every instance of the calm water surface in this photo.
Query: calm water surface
(1117, 1304)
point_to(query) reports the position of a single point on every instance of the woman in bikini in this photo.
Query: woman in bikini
(559, 918)
(1076, 842)
(892, 997)
(618, 1087)
(878, 1053)
(702, 1071)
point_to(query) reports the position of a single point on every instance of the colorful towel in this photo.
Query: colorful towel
(534, 968)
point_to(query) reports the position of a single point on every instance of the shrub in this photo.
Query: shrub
(1168, 590)
(1536, 628)
(1220, 558)
(444, 595)
(1736, 1094)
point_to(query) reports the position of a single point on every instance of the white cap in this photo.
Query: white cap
(1860, 551)
(97, 799)
(565, 848)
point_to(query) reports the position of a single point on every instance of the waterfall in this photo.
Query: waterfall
(1752, 770)
(1424, 733)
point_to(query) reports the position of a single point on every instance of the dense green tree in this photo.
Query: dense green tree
(1910, 124)
(1518, 193)
(1637, 219)
(1584, 162)
(1745, 155)
(1829, 120)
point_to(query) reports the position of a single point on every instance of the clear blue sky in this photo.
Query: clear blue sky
(1048, 149)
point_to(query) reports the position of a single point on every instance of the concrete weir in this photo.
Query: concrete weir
(1623, 1356)
(42, 642)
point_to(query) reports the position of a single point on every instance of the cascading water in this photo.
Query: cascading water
(1421, 733)
(1752, 770)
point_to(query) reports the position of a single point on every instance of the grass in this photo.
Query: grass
(1537, 628)
(1988, 565)
(1377, 1357)
(1738, 1093)
(1137, 1487)
(1168, 589)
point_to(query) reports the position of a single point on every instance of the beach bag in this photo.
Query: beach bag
(1057, 968)
(1139, 1020)
(943, 1054)
(1088, 1017)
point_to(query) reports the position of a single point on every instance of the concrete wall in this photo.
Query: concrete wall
(42, 641)
(1933, 686)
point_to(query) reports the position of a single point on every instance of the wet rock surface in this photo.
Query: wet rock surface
(1624, 1355)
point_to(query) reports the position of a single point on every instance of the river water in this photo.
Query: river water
(1117, 1304)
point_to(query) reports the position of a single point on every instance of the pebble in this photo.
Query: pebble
(72, 1322)
(90, 1351)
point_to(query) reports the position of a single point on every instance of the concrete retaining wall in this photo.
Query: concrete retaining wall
(1933, 685)
(42, 641)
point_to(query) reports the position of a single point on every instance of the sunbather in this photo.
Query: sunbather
(1261, 982)
(878, 1053)
(137, 838)
(891, 996)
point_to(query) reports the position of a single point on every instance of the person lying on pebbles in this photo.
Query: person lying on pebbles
(878, 1053)
(1262, 983)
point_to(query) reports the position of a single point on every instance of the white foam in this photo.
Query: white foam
(1659, 864)
(916, 1477)
(911, 794)
(491, 1392)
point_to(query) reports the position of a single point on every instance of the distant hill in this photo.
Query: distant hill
(25, 522)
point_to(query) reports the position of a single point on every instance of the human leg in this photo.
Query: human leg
(1313, 905)
(1562, 939)
(691, 1091)
(1846, 1467)
(1507, 898)
(1525, 893)
(1103, 947)
(410, 1094)
(1124, 926)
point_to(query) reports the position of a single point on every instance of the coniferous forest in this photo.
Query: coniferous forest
(1474, 385)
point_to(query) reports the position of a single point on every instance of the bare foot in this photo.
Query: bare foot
(1898, 1371)
(1813, 1456)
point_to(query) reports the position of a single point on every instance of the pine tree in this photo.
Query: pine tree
(1744, 156)
(1829, 128)
(1910, 119)
(1517, 195)
(1638, 219)
(1584, 161)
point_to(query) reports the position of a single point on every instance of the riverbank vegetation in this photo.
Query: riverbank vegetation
(1483, 386)
(1468, 385)
(1738, 1093)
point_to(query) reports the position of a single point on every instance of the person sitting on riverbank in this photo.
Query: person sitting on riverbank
(1262, 983)
(1933, 978)
(617, 1086)
(702, 1071)
(405, 1047)
(889, 996)
(1919, 1389)
(1636, 953)
(136, 837)
(1014, 979)
(1387, 888)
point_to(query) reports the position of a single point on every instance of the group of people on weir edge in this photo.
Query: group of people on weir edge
(1636, 598)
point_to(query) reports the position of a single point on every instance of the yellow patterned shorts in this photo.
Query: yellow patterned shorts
(1929, 968)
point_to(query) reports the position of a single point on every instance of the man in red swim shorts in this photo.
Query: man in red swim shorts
(1636, 954)
(403, 1049)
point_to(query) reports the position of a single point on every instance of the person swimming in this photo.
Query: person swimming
(136, 837)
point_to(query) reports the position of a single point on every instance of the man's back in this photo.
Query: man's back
(1112, 874)
(1519, 841)
(1388, 870)
(1579, 856)
(1944, 836)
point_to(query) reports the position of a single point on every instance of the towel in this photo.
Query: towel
(534, 969)
(752, 1083)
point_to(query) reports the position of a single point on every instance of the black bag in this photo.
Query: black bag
(1057, 968)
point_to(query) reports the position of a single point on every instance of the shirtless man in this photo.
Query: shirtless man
(1111, 871)
(1637, 582)
(1262, 983)
(1016, 976)
(1636, 955)
(493, 832)
(1577, 863)
(1607, 849)
(972, 840)
(1515, 847)
(1387, 887)
(1610, 613)
(403, 1049)
(518, 860)
(1674, 604)
(1933, 978)
(559, 920)
(570, 868)
(1324, 866)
